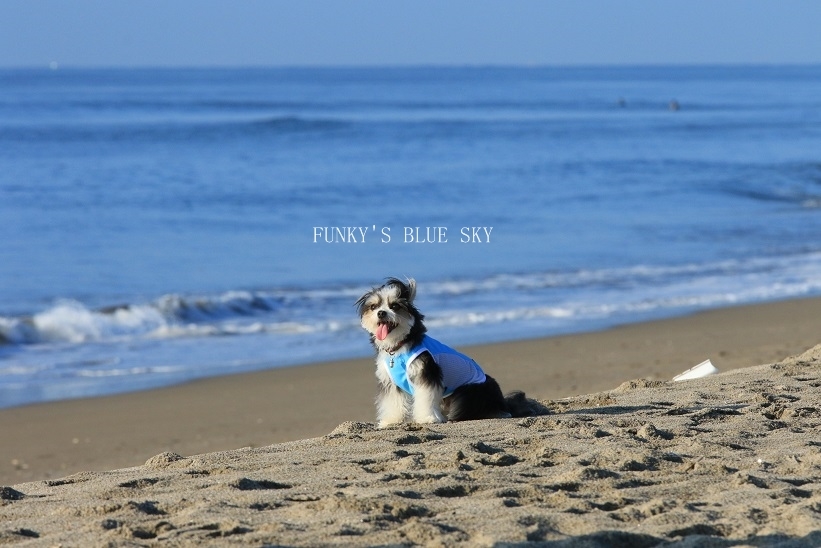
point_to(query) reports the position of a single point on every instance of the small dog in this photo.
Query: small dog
(421, 378)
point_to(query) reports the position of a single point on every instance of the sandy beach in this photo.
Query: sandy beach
(614, 459)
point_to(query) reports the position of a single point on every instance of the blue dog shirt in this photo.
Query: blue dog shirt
(457, 369)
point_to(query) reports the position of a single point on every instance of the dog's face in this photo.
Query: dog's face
(388, 314)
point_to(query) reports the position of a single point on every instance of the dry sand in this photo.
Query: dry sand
(728, 460)
(732, 459)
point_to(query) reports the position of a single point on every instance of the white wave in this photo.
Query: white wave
(17, 331)
(226, 330)
(190, 330)
(22, 370)
(131, 371)
(467, 318)
(631, 275)
(226, 305)
(707, 292)
(170, 315)
(70, 321)
(568, 297)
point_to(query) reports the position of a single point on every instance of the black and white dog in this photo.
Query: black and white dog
(421, 378)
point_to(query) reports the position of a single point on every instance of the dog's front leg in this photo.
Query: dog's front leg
(426, 377)
(391, 406)
(427, 403)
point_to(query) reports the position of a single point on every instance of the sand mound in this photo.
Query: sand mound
(731, 459)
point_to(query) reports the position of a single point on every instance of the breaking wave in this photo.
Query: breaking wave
(558, 297)
(170, 316)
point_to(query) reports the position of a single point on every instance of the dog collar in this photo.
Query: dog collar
(393, 350)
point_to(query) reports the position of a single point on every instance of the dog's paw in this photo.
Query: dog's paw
(387, 423)
(430, 419)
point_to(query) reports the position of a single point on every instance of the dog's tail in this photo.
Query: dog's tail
(519, 405)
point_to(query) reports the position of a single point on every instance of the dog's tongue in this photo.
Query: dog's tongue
(382, 331)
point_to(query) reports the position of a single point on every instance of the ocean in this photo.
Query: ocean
(164, 225)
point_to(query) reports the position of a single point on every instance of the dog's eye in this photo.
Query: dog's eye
(373, 307)
(394, 306)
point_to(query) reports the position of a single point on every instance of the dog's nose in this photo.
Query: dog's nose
(381, 314)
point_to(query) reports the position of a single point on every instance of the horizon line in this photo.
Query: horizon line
(56, 66)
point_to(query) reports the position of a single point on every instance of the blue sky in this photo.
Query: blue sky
(389, 32)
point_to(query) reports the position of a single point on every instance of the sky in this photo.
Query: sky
(162, 33)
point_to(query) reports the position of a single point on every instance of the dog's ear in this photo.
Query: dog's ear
(411, 290)
(360, 303)
(407, 289)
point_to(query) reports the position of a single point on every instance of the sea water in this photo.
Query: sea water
(163, 225)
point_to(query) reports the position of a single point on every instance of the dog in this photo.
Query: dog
(419, 377)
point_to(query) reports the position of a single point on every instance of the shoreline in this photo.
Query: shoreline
(55, 439)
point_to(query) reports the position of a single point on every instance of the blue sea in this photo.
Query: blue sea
(164, 225)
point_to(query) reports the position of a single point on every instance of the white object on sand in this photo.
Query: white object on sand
(701, 370)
